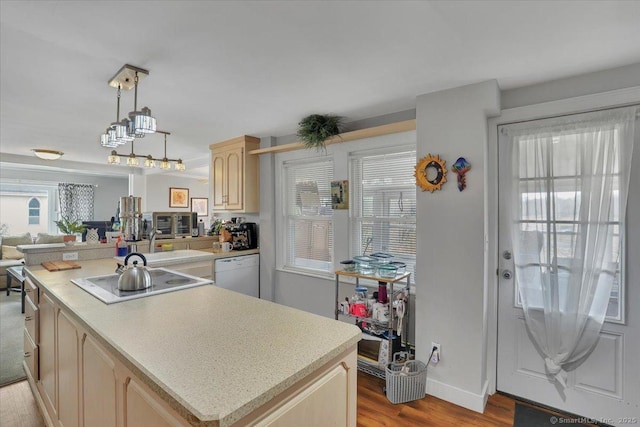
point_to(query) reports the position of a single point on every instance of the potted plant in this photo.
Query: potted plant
(70, 229)
(315, 129)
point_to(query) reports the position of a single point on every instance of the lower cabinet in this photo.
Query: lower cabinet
(82, 384)
(99, 385)
(68, 371)
(46, 348)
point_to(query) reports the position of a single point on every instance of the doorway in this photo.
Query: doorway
(605, 385)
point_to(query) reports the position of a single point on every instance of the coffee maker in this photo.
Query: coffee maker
(131, 218)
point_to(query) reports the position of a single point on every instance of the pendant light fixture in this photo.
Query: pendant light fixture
(140, 122)
(137, 124)
(117, 133)
(149, 161)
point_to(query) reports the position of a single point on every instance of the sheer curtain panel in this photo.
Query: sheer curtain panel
(570, 177)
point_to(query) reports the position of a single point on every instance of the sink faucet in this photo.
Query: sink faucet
(152, 240)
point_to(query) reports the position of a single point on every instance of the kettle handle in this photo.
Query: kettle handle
(144, 260)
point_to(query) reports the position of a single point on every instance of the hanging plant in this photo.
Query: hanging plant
(315, 129)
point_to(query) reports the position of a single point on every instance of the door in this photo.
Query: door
(606, 386)
(235, 178)
(219, 170)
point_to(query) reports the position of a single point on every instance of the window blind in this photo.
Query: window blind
(308, 214)
(383, 209)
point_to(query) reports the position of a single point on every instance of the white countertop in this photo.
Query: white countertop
(210, 353)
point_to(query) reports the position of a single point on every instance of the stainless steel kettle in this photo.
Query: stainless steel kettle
(134, 277)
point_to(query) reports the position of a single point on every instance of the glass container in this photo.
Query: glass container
(387, 271)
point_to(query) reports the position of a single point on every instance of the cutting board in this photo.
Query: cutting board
(60, 265)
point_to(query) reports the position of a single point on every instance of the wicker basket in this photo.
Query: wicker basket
(406, 381)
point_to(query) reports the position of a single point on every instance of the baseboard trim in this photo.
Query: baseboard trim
(457, 396)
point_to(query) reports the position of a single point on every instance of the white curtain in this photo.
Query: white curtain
(570, 177)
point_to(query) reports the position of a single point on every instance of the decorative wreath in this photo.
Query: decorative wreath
(421, 174)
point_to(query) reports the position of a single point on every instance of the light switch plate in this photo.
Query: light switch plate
(70, 256)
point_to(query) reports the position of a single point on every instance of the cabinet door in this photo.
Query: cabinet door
(323, 403)
(144, 409)
(31, 355)
(47, 352)
(68, 372)
(218, 185)
(235, 178)
(98, 385)
(31, 319)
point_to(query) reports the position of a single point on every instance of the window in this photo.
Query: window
(383, 211)
(34, 211)
(308, 216)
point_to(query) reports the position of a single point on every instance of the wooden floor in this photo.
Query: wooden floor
(18, 409)
(374, 409)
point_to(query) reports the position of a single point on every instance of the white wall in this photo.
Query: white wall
(14, 212)
(155, 191)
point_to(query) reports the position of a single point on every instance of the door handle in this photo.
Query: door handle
(507, 274)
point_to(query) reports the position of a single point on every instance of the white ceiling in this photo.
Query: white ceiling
(223, 69)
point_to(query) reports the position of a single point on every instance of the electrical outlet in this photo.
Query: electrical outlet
(437, 355)
(70, 256)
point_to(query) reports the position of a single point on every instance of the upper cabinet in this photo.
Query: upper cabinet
(235, 175)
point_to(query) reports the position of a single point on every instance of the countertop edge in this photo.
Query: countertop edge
(189, 413)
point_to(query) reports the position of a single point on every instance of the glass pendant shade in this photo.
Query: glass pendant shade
(132, 160)
(105, 142)
(108, 139)
(164, 164)
(180, 166)
(113, 158)
(121, 131)
(149, 162)
(142, 121)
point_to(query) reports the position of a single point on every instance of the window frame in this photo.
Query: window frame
(29, 208)
(396, 220)
(340, 155)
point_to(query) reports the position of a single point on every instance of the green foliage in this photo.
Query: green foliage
(315, 129)
(66, 226)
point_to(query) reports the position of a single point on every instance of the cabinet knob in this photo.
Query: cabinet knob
(27, 318)
(27, 354)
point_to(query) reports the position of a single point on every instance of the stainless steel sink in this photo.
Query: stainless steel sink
(163, 280)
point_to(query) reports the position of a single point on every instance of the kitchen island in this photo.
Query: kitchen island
(202, 356)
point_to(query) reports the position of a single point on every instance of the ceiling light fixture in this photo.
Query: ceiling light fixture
(150, 161)
(47, 154)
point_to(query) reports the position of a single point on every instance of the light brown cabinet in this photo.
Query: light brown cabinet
(86, 383)
(235, 174)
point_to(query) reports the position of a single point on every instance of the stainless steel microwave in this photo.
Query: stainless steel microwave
(169, 224)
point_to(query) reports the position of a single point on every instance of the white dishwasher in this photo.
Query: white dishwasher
(240, 274)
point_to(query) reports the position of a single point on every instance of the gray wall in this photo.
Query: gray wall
(107, 193)
(585, 84)
(451, 228)
(451, 305)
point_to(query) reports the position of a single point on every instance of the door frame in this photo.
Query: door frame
(580, 104)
